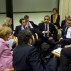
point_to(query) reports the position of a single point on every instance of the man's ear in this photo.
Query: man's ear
(30, 41)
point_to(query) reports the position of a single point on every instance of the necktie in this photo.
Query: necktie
(65, 32)
(45, 29)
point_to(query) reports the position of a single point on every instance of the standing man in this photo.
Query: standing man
(30, 23)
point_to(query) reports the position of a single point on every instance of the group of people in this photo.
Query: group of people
(26, 56)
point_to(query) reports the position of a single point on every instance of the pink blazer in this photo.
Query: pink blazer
(5, 56)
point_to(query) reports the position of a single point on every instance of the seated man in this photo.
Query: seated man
(25, 24)
(49, 33)
(20, 27)
(26, 57)
(66, 34)
(63, 23)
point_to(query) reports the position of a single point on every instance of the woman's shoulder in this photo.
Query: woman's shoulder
(3, 44)
(2, 41)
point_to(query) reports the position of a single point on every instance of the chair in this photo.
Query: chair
(15, 39)
(57, 52)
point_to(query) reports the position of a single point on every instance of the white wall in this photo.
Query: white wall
(2, 17)
(3, 6)
(64, 8)
(70, 7)
(35, 17)
(34, 5)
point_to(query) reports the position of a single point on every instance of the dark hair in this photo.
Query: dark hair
(55, 9)
(24, 36)
(21, 20)
(47, 16)
(26, 16)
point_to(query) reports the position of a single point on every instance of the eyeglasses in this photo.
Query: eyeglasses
(68, 22)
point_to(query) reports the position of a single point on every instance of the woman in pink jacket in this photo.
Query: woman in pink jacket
(5, 54)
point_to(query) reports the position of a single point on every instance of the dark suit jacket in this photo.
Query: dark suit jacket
(52, 29)
(63, 23)
(63, 30)
(17, 30)
(26, 58)
(34, 25)
(57, 21)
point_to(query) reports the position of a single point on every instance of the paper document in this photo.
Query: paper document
(58, 50)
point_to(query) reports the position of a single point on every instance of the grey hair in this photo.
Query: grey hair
(68, 19)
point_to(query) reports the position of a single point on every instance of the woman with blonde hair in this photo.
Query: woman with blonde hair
(7, 22)
(5, 54)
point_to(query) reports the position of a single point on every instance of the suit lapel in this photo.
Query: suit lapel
(20, 28)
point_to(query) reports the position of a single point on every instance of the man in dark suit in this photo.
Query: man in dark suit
(33, 27)
(63, 23)
(66, 33)
(65, 59)
(26, 57)
(30, 23)
(49, 32)
(25, 24)
(20, 27)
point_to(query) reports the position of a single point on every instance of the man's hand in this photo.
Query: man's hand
(46, 32)
(6, 69)
(50, 38)
(68, 46)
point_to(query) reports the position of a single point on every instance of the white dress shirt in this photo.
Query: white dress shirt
(47, 26)
(22, 28)
(46, 29)
(68, 35)
(29, 24)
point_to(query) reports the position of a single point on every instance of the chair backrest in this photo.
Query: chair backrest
(15, 39)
